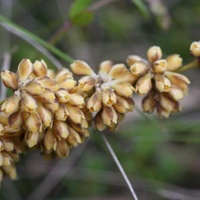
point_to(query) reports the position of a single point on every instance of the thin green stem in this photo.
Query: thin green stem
(37, 39)
(119, 166)
(194, 64)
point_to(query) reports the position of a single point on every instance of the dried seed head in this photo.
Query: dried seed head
(33, 122)
(67, 84)
(73, 138)
(62, 95)
(63, 74)
(162, 112)
(31, 138)
(62, 113)
(176, 93)
(117, 71)
(144, 85)
(131, 60)
(9, 79)
(62, 149)
(50, 140)
(60, 129)
(163, 84)
(75, 114)
(154, 53)
(48, 83)
(174, 62)
(95, 102)
(159, 66)
(139, 68)
(195, 49)
(123, 105)
(25, 68)
(81, 68)
(15, 120)
(48, 96)
(76, 100)
(99, 124)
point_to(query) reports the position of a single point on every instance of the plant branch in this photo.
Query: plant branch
(194, 64)
(4, 21)
(119, 167)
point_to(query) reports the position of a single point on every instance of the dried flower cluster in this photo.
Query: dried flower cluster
(52, 111)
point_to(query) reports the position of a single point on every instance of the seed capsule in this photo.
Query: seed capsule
(9, 79)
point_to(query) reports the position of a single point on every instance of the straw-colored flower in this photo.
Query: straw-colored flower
(158, 80)
(108, 91)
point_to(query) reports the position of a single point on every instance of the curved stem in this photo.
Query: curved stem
(119, 167)
(194, 64)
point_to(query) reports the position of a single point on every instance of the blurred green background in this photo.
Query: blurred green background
(161, 157)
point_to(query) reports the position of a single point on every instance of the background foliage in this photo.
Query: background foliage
(161, 157)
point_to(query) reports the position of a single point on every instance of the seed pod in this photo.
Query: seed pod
(34, 88)
(28, 103)
(144, 85)
(10, 171)
(15, 120)
(195, 49)
(176, 93)
(11, 104)
(31, 138)
(73, 138)
(62, 113)
(62, 149)
(9, 79)
(139, 69)
(86, 83)
(63, 74)
(174, 62)
(60, 129)
(67, 84)
(162, 112)
(95, 102)
(25, 68)
(124, 89)
(109, 116)
(154, 53)
(48, 83)
(80, 67)
(163, 84)
(132, 59)
(117, 71)
(76, 100)
(149, 103)
(99, 124)
(75, 114)
(33, 123)
(123, 105)
(50, 140)
(39, 68)
(159, 66)
(109, 97)
(105, 67)
(62, 95)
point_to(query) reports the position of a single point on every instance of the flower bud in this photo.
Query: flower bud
(86, 83)
(132, 59)
(124, 89)
(163, 84)
(139, 69)
(9, 79)
(60, 129)
(95, 102)
(11, 104)
(109, 116)
(159, 66)
(174, 62)
(109, 97)
(25, 68)
(39, 68)
(62, 149)
(154, 53)
(81, 68)
(144, 85)
(34, 88)
(105, 67)
(149, 103)
(195, 49)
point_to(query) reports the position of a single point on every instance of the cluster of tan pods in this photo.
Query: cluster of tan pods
(52, 112)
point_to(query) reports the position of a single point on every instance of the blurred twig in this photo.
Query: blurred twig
(119, 166)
